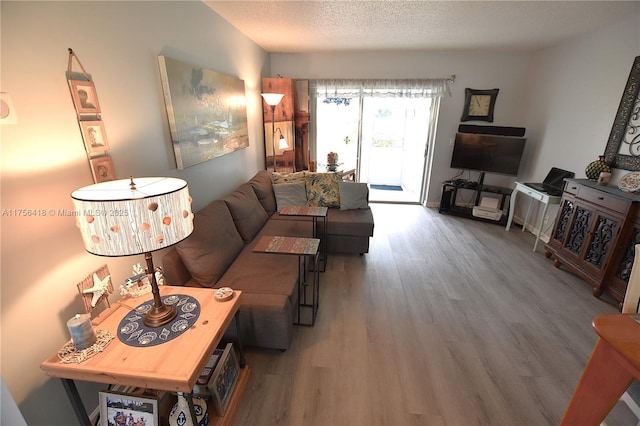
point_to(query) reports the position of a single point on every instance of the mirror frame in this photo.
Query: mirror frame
(628, 111)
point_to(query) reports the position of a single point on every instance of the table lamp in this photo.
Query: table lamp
(273, 99)
(126, 217)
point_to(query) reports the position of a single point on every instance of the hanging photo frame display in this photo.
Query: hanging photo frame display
(102, 169)
(92, 128)
(95, 137)
(85, 97)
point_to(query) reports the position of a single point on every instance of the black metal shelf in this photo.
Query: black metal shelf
(450, 193)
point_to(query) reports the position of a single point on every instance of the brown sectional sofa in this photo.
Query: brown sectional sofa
(219, 253)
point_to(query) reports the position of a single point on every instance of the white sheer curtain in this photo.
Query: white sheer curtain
(408, 88)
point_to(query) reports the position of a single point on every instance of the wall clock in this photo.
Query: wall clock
(479, 104)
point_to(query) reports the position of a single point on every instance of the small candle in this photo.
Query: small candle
(604, 178)
(81, 331)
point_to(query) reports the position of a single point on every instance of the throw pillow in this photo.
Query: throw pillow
(322, 189)
(353, 195)
(290, 194)
(287, 177)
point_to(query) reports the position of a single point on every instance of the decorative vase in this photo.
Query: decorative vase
(594, 168)
(179, 415)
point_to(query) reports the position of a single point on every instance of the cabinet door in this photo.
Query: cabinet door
(577, 232)
(587, 239)
(617, 282)
(563, 219)
(600, 243)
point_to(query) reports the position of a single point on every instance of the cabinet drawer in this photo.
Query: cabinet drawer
(603, 199)
(531, 193)
(571, 188)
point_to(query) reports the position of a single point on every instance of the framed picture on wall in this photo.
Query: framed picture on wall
(102, 169)
(85, 97)
(206, 109)
(94, 136)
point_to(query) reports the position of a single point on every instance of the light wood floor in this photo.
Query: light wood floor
(446, 321)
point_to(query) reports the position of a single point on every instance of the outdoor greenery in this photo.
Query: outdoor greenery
(383, 142)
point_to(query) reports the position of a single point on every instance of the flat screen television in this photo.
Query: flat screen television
(487, 153)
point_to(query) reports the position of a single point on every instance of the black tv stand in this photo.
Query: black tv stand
(450, 193)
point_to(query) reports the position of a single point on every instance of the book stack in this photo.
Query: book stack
(201, 390)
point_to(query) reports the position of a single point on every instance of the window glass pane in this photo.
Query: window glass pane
(385, 138)
(337, 131)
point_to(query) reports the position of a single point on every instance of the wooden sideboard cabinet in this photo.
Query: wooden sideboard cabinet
(594, 235)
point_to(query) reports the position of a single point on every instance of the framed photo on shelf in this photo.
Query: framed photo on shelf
(85, 97)
(224, 379)
(94, 136)
(122, 408)
(102, 169)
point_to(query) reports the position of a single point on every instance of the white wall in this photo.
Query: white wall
(478, 70)
(573, 93)
(43, 156)
(572, 96)
(566, 96)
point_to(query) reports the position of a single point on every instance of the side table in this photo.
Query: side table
(301, 247)
(543, 197)
(172, 366)
(314, 213)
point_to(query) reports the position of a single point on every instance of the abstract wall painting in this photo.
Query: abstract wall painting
(206, 109)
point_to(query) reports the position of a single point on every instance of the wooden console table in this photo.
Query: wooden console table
(172, 366)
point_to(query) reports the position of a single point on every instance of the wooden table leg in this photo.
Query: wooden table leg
(604, 380)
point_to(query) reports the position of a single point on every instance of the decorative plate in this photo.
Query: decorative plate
(132, 330)
(222, 294)
(630, 182)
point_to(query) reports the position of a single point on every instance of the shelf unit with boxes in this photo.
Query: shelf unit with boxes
(489, 201)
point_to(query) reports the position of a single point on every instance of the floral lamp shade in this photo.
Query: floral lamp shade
(127, 217)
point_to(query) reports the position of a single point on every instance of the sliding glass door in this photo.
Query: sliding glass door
(384, 138)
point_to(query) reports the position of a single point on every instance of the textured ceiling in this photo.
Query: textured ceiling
(331, 25)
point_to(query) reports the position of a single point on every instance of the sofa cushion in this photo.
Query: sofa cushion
(213, 245)
(353, 195)
(287, 177)
(246, 211)
(263, 187)
(350, 222)
(262, 273)
(290, 194)
(322, 189)
(266, 320)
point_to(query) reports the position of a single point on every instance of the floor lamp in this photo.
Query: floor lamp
(273, 99)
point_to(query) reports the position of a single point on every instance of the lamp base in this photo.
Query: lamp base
(160, 315)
